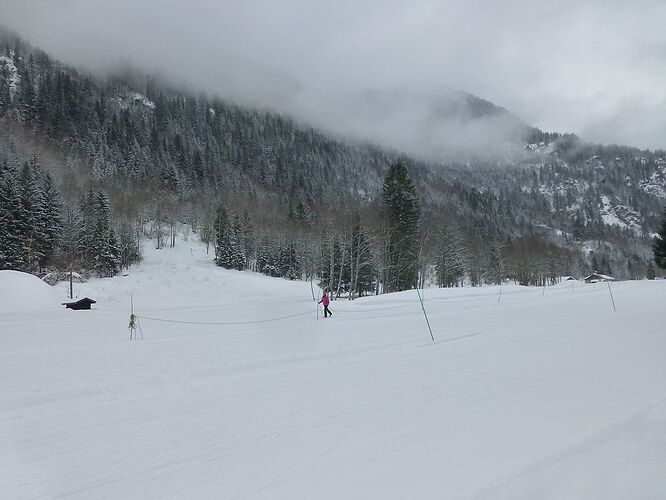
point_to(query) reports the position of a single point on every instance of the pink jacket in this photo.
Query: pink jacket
(325, 300)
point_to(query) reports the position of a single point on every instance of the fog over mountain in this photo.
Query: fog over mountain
(594, 68)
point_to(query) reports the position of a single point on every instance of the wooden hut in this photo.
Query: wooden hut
(80, 304)
(598, 278)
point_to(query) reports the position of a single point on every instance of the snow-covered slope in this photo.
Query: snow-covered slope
(25, 293)
(552, 396)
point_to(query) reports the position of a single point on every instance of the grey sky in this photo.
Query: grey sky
(597, 68)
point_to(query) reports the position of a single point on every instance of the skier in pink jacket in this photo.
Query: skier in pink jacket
(326, 301)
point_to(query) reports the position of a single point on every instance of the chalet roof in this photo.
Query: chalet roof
(598, 276)
(83, 303)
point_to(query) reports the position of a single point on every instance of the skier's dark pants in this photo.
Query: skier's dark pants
(327, 312)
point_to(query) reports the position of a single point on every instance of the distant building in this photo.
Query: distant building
(598, 278)
(55, 277)
(80, 304)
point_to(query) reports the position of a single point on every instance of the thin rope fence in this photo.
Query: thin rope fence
(291, 316)
(184, 322)
(376, 309)
(270, 320)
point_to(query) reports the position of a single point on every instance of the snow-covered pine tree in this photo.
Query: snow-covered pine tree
(289, 262)
(220, 228)
(51, 216)
(107, 261)
(263, 258)
(11, 246)
(105, 245)
(31, 218)
(26, 95)
(237, 244)
(273, 255)
(86, 229)
(659, 243)
(401, 215)
(249, 242)
(5, 95)
(228, 251)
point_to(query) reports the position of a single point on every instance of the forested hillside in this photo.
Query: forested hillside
(113, 159)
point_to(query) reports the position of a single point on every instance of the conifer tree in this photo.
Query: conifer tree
(401, 215)
(266, 257)
(249, 243)
(105, 246)
(290, 263)
(86, 228)
(5, 96)
(30, 222)
(659, 244)
(225, 241)
(237, 244)
(11, 246)
(51, 212)
(26, 97)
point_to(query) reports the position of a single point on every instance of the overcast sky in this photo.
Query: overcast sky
(596, 68)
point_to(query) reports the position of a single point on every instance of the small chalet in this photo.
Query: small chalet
(80, 304)
(598, 278)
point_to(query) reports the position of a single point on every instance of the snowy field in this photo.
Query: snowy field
(535, 397)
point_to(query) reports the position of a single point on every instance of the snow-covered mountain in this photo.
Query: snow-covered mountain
(474, 163)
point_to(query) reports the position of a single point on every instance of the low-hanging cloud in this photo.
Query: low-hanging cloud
(594, 67)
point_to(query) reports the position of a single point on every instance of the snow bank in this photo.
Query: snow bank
(23, 292)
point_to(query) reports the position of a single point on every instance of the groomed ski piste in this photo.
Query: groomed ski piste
(544, 394)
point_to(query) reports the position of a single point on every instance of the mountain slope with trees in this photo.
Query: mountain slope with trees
(130, 156)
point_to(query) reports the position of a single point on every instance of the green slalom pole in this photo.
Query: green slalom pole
(424, 314)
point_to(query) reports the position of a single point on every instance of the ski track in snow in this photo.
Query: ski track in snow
(552, 396)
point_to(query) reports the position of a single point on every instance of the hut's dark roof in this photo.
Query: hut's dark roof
(599, 277)
(80, 301)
